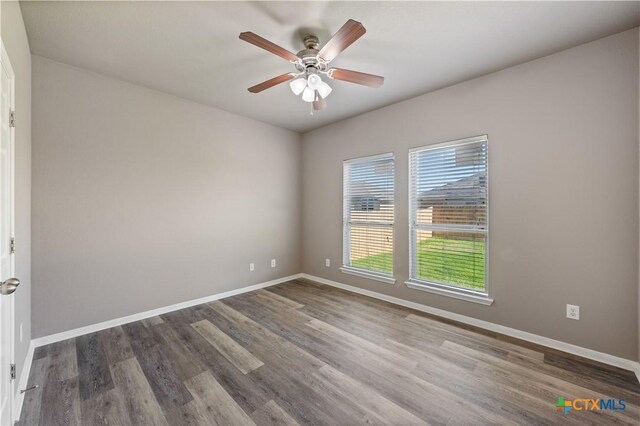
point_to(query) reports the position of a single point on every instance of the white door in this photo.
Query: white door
(7, 283)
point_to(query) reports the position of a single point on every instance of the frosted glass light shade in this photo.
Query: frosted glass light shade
(298, 85)
(309, 95)
(324, 90)
(314, 81)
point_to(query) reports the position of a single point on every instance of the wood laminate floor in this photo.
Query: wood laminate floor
(304, 353)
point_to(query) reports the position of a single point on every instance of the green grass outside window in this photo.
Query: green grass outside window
(461, 264)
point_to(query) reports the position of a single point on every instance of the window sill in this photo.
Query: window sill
(469, 297)
(369, 275)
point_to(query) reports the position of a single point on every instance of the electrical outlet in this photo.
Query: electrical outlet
(252, 267)
(327, 262)
(273, 263)
(573, 312)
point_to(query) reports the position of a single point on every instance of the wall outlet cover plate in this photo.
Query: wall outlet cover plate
(573, 312)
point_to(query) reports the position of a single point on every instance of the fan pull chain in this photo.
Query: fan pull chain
(311, 108)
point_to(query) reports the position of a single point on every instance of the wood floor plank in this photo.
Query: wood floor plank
(213, 401)
(285, 324)
(160, 372)
(280, 302)
(150, 322)
(382, 352)
(305, 397)
(93, 367)
(271, 414)
(236, 354)
(32, 400)
(366, 306)
(140, 402)
(108, 408)
(373, 319)
(63, 359)
(115, 344)
(140, 337)
(379, 332)
(266, 343)
(188, 414)
(194, 314)
(162, 377)
(358, 319)
(41, 352)
(469, 338)
(187, 366)
(242, 388)
(60, 404)
(432, 360)
(378, 409)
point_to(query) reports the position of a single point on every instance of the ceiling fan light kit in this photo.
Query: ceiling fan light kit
(311, 63)
(310, 87)
(308, 95)
(298, 85)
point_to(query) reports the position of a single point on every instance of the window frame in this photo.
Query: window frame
(346, 238)
(457, 292)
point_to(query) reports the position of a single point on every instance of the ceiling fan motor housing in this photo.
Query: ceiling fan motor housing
(311, 42)
(309, 60)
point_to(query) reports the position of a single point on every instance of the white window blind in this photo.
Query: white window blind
(448, 215)
(368, 214)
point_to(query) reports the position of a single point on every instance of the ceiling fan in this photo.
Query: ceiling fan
(311, 64)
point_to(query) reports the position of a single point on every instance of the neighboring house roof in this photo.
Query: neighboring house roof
(372, 193)
(458, 193)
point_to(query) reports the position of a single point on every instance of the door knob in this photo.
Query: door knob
(9, 286)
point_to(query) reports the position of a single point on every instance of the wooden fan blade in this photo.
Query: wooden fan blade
(265, 44)
(356, 77)
(272, 82)
(350, 32)
(319, 103)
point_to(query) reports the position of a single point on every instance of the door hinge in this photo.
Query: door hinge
(12, 246)
(12, 119)
(12, 371)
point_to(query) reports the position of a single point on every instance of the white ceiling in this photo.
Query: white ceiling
(192, 50)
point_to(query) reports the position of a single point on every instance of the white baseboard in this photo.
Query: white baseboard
(45, 340)
(22, 383)
(602, 357)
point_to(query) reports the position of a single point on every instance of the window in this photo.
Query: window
(448, 219)
(368, 217)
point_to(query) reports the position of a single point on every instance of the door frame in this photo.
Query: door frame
(5, 64)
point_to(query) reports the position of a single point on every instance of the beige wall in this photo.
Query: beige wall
(15, 41)
(142, 200)
(563, 167)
